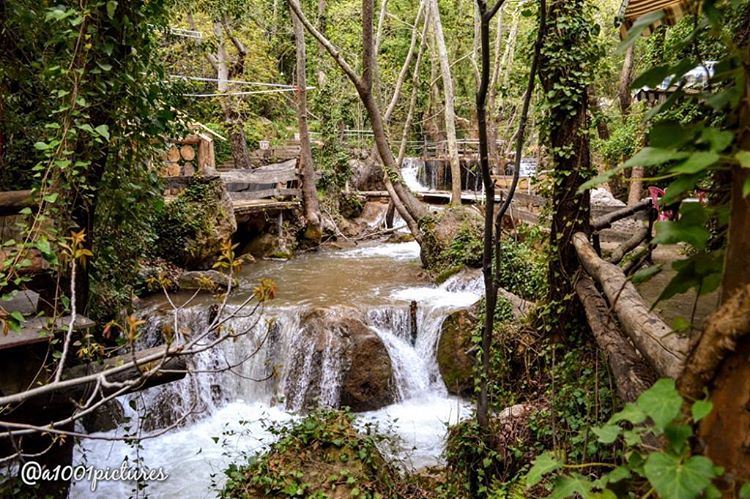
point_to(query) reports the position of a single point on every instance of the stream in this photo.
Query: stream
(235, 408)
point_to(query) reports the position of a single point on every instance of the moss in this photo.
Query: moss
(450, 239)
(191, 228)
(455, 362)
(321, 455)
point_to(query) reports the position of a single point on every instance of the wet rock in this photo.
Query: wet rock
(339, 361)
(367, 174)
(24, 301)
(106, 418)
(368, 382)
(209, 280)
(455, 361)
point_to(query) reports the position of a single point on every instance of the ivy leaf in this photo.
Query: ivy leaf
(661, 403)
(673, 479)
(718, 139)
(111, 6)
(652, 77)
(571, 486)
(544, 464)
(607, 433)
(690, 228)
(103, 130)
(681, 184)
(678, 435)
(630, 413)
(617, 474)
(702, 271)
(650, 156)
(744, 158)
(701, 409)
(697, 162)
(671, 134)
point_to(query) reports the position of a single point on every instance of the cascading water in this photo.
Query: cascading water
(279, 367)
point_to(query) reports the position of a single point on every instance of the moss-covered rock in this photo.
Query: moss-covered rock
(455, 361)
(322, 455)
(191, 228)
(452, 238)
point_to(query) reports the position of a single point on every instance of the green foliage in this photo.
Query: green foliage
(694, 138)
(316, 456)
(183, 225)
(673, 472)
(523, 268)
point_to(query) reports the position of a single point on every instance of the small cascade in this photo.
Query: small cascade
(414, 174)
(287, 362)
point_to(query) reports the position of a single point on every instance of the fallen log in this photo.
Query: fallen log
(664, 350)
(12, 202)
(606, 221)
(724, 328)
(631, 373)
(619, 253)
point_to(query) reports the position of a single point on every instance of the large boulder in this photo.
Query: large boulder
(455, 360)
(452, 239)
(367, 174)
(339, 360)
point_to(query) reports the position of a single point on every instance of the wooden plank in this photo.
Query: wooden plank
(270, 174)
(264, 193)
(38, 330)
(256, 205)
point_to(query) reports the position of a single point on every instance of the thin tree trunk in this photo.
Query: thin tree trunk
(449, 98)
(410, 209)
(492, 118)
(309, 192)
(232, 118)
(626, 78)
(413, 98)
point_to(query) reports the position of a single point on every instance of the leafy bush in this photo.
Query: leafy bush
(319, 456)
(673, 472)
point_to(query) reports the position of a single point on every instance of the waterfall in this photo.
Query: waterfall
(413, 173)
(283, 364)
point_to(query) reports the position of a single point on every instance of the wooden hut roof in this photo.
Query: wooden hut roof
(631, 10)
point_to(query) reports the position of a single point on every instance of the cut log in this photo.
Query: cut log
(631, 373)
(606, 221)
(187, 152)
(619, 253)
(173, 154)
(664, 350)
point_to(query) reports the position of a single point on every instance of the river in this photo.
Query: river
(380, 280)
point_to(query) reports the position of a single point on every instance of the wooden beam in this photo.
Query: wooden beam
(39, 330)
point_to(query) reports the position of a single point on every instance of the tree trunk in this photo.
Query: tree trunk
(309, 192)
(232, 117)
(664, 350)
(449, 102)
(726, 431)
(569, 147)
(631, 374)
(410, 209)
(626, 78)
(492, 94)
